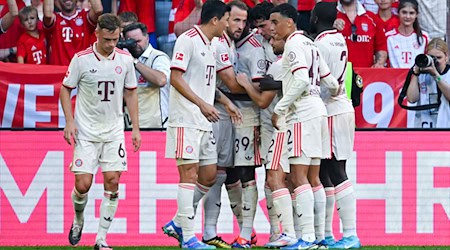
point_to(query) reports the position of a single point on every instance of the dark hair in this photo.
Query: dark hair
(416, 26)
(325, 12)
(261, 11)
(128, 16)
(25, 11)
(135, 26)
(109, 22)
(286, 10)
(211, 9)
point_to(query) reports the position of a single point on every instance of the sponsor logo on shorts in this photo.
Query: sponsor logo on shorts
(78, 163)
(189, 149)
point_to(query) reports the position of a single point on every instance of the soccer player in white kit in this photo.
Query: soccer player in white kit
(341, 120)
(104, 76)
(190, 139)
(307, 131)
(223, 129)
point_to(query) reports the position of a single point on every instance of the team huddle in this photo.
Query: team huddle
(274, 98)
(247, 90)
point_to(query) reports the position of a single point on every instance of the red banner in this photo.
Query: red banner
(379, 108)
(401, 182)
(29, 97)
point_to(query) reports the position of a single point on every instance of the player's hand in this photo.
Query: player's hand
(235, 114)
(70, 131)
(136, 139)
(339, 24)
(211, 113)
(242, 79)
(275, 121)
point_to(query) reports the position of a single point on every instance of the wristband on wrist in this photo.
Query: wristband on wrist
(135, 61)
(438, 78)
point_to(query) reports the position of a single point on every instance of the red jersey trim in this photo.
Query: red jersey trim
(298, 32)
(201, 35)
(191, 33)
(252, 40)
(325, 75)
(178, 68)
(133, 88)
(327, 32)
(224, 68)
(85, 52)
(301, 67)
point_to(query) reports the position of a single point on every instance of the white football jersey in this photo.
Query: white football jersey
(225, 57)
(193, 54)
(251, 61)
(100, 82)
(303, 69)
(333, 49)
(402, 50)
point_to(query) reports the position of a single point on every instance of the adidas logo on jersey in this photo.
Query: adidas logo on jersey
(248, 157)
(63, 22)
(93, 71)
(33, 48)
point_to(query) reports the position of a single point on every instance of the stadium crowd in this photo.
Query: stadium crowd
(274, 95)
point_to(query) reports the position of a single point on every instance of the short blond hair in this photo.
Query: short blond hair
(439, 44)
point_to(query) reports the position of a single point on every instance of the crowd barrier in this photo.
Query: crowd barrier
(29, 97)
(401, 180)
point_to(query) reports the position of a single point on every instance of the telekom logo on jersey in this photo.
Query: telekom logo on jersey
(402, 189)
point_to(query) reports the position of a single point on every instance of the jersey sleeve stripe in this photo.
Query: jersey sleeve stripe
(224, 68)
(257, 79)
(302, 67)
(329, 73)
(69, 87)
(178, 68)
(132, 88)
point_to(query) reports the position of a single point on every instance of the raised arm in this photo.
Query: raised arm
(9, 17)
(49, 7)
(96, 10)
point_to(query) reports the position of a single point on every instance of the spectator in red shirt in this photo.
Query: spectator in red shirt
(9, 17)
(387, 15)
(71, 29)
(31, 47)
(187, 15)
(364, 34)
(304, 8)
(8, 40)
(145, 11)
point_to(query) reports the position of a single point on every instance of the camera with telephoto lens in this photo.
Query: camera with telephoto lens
(126, 43)
(425, 61)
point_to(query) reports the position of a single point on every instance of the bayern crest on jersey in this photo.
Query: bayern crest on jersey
(118, 70)
(79, 21)
(365, 27)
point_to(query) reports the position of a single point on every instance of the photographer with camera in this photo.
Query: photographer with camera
(430, 86)
(152, 72)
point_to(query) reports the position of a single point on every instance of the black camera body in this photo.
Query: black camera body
(424, 61)
(126, 43)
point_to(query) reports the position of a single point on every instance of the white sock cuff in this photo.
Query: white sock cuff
(78, 194)
(302, 189)
(280, 193)
(343, 189)
(329, 191)
(188, 186)
(317, 188)
(110, 195)
(247, 184)
(202, 188)
(235, 185)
